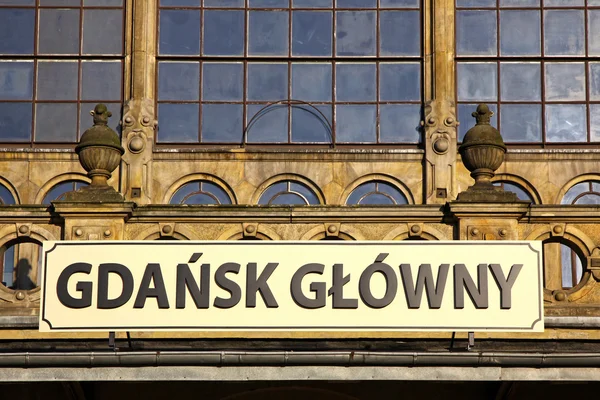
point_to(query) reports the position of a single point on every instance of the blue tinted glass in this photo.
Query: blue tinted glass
(575, 191)
(222, 81)
(392, 191)
(399, 82)
(313, 3)
(520, 33)
(291, 199)
(311, 33)
(267, 82)
(594, 81)
(356, 33)
(178, 123)
(400, 123)
(511, 187)
(477, 81)
(311, 82)
(565, 81)
(57, 80)
(377, 199)
(5, 196)
(108, 3)
(359, 192)
(86, 120)
(270, 126)
(590, 199)
(476, 33)
(475, 3)
(215, 190)
(467, 121)
(222, 123)
(179, 32)
(16, 80)
(304, 191)
(356, 82)
(58, 191)
(356, 123)
(272, 191)
(519, 3)
(521, 122)
(398, 3)
(200, 198)
(310, 126)
(400, 33)
(184, 3)
(268, 33)
(60, 3)
(593, 32)
(269, 3)
(56, 122)
(564, 32)
(224, 32)
(356, 3)
(15, 122)
(566, 123)
(101, 80)
(97, 39)
(520, 81)
(58, 31)
(17, 2)
(223, 3)
(184, 192)
(178, 80)
(16, 31)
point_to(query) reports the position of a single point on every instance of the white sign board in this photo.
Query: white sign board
(292, 286)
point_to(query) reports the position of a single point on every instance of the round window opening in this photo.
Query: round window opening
(563, 265)
(20, 263)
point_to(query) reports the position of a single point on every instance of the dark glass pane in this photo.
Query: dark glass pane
(356, 3)
(56, 122)
(106, 3)
(308, 125)
(268, 33)
(178, 81)
(102, 32)
(564, 32)
(178, 122)
(475, 3)
(15, 122)
(222, 81)
(400, 123)
(184, 191)
(359, 192)
(311, 33)
(6, 196)
(305, 191)
(270, 126)
(101, 80)
(356, 33)
(183, 3)
(520, 33)
(400, 33)
(272, 191)
(222, 123)
(58, 31)
(216, 191)
(399, 82)
(179, 32)
(267, 82)
(200, 198)
(376, 199)
(223, 3)
(313, 3)
(57, 80)
(224, 33)
(16, 31)
(311, 82)
(269, 3)
(356, 82)
(398, 3)
(520, 81)
(392, 191)
(16, 80)
(356, 123)
(521, 122)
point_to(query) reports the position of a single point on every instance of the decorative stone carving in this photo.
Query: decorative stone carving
(99, 153)
(482, 152)
(440, 151)
(139, 126)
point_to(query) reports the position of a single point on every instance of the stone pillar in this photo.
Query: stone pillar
(439, 123)
(139, 116)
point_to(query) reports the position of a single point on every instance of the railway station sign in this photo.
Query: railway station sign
(291, 286)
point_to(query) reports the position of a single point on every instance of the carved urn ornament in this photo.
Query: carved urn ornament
(100, 154)
(482, 152)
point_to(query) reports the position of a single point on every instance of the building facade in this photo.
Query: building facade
(301, 120)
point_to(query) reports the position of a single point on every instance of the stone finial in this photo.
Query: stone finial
(482, 152)
(100, 154)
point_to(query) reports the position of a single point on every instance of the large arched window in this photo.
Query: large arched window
(59, 190)
(200, 192)
(289, 71)
(289, 193)
(376, 193)
(521, 193)
(587, 192)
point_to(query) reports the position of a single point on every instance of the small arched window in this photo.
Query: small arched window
(521, 193)
(200, 192)
(291, 193)
(59, 190)
(20, 263)
(563, 265)
(587, 192)
(376, 193)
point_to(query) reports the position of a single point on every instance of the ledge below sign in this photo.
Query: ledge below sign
(292, 286)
